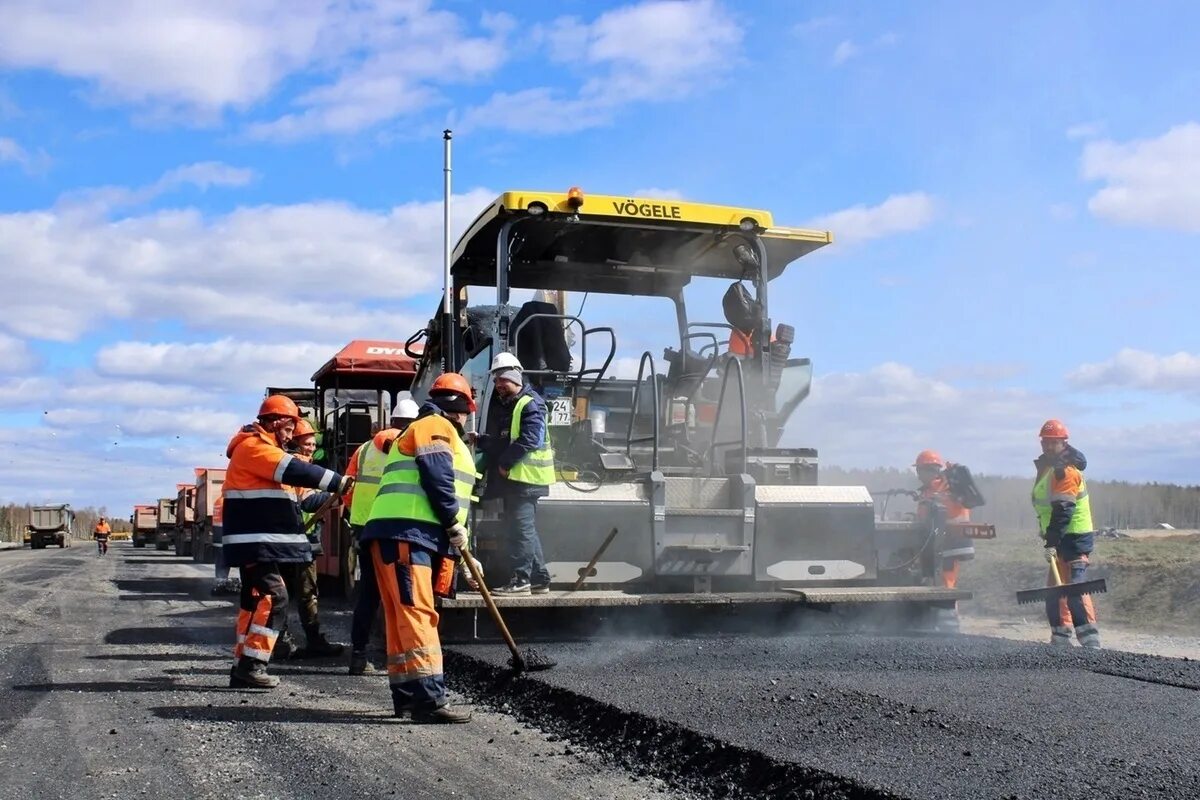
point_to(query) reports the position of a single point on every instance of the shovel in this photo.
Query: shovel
(1060, 590)
(528, 661)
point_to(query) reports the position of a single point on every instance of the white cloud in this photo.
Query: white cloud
(15, 356)
(12, 152)
(1085, 130)
(900, 213)
(202, 175)
(25, 393)
(1150, 182)
(649, 51)
(1137, 369)
(226, 364)
(845, 51)
(322, 270)
(197, 54)
(663, 194)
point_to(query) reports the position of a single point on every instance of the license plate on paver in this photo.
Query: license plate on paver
(560, 412)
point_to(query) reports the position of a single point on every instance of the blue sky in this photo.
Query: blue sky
(199, 198)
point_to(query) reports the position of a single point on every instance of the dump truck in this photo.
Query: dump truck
(145, 522)
(209, 481)
(50, 525)
(164, 523)
(672, 486)
(354, 392)
(185, 518)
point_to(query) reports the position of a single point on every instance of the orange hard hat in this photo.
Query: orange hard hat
(278, 405)
(303, 428)
(451, 383)
(929, 458)
(1053, 429)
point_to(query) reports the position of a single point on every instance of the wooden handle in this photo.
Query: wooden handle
(586, 572)
(1054, 572)
(469, 560)
(320, 512)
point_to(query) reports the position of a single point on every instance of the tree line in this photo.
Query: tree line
(1115, 504)
(14, 517)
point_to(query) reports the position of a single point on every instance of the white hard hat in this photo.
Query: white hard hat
(406, 408)
(505, 361)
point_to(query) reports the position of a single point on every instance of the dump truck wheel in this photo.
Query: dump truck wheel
(348, 565)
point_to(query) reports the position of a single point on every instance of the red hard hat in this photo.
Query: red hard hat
(451, 383)
(278, 405)
(303, 428)
(929, 458)
(1053, 429)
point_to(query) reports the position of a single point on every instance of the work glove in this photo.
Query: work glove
(1050, 553)
(458, 534)
(471, 578)
(345, 484)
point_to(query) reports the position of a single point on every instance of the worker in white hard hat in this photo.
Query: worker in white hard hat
(366, 465)
(520, 470)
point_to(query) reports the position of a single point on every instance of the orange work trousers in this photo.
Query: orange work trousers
(262, 611)
(405, 575)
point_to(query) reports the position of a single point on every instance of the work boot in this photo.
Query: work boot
(1060, 636)
(319, 647)
(234, 681)
(285, 646)
(1089, 636)
(514, 588)
(446, 715)
(360, 664)
(253, 675)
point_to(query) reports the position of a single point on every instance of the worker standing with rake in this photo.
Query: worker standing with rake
(1064, 512)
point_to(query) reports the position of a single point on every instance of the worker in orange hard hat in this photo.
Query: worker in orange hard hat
(262, 530)
(937, 499)
(1064, 512)
(301, 577)
(417, 524)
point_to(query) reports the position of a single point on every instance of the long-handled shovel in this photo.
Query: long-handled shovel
(528, 661)
(1060, 590)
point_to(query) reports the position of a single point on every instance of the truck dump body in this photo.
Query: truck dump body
(50, 525)
(209, 481)
(145, 523)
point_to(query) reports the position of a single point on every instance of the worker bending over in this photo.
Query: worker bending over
(1064, 512)
(301, 577)
(262, 530)
(416, 525)
(520, 469)
(938, 500)
(366, 466)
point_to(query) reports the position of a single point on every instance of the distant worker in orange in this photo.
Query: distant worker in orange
(955, 549)
(417, 524)
(301, 577)
(1064, 512)
(366, 467)
(262, 530)
(100, 533)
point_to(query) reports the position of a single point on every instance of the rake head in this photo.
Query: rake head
(1027, 596)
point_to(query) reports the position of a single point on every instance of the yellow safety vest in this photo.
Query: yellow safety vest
(400, 493)
(1081, 519)
(371, 461)
(537, 466)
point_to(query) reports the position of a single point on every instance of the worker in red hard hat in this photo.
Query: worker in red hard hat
(417, 524)
(938, 499)
(301, 577)
(1064, 512)
(262, 530)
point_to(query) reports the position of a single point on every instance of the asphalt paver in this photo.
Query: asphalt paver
(855, 716)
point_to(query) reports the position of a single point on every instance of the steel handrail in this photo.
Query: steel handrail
(646, 358)
(731, 365)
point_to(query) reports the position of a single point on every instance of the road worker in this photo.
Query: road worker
(366, 467)
(954, 549)
(301, 577)
(417, 523)
(520, 469)
(1064, 512)
(100, 533)
(262, 530)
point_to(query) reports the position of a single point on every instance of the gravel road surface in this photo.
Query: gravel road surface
(112, 684)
